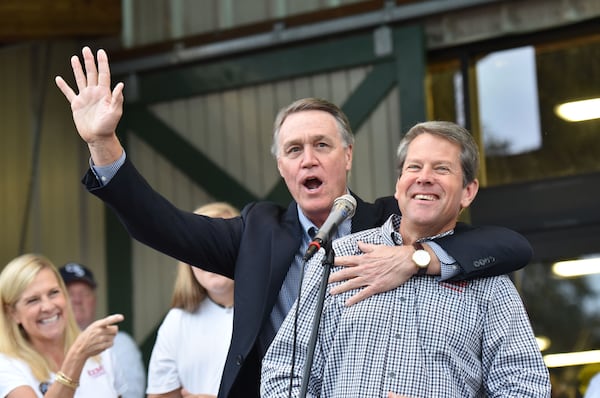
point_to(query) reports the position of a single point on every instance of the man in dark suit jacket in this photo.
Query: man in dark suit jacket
(313, 146)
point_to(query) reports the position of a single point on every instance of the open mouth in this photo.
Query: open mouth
(312, 183)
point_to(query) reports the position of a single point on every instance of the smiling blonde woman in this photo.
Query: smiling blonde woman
(42, 351)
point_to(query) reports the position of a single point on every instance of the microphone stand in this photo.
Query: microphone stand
(327, 263)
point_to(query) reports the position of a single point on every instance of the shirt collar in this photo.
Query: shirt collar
(306, 224)
(389, 231)
(391, 236)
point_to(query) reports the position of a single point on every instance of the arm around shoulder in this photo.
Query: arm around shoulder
(486, 250)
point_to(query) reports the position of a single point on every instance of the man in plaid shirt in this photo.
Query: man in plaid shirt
(425, 338)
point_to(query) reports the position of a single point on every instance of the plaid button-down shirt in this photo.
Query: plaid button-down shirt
(424, 339)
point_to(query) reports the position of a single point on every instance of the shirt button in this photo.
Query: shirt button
(397, 336)
(239, 360)
(103, 178)
(392, 375)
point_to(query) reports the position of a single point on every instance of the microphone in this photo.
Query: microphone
(343, 208)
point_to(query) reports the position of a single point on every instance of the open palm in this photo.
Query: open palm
(96, 109)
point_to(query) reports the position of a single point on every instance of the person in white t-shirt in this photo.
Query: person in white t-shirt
(593, 387)
(42, 351)
(192, 342)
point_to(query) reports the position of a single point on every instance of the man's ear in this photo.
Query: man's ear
(469, 193)
(279, 168)
(349, 157)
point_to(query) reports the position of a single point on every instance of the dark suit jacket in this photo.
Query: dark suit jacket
(257, 249)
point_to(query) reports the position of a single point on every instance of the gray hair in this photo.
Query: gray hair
(313, 104)
(469, 154)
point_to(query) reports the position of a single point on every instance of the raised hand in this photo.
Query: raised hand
(98, 336)
(96, 109)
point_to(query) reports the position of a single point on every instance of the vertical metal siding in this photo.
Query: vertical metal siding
(15, 150)
(65, 223)
(234, 129)
(153, 272)
(154, 20)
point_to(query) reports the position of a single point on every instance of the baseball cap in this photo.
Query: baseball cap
(74, 272)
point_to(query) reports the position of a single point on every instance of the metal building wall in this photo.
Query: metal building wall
(151, 21)
(234, 130)
(231, 127)
(43, 206)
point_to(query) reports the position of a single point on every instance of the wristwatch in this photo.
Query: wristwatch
(421, 258)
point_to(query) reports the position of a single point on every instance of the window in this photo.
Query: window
(509, 105)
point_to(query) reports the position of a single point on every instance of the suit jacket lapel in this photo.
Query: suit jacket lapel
(285, 242)
(366, 215)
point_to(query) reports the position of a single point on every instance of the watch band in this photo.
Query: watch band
(418, 246)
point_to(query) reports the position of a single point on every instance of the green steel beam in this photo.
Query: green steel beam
(257, 68)
(182, 154)
(119, 272)
(409, 50)
(407, 69)
(369, 94)
(279, 194)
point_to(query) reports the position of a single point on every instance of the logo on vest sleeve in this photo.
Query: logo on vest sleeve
(484, 261)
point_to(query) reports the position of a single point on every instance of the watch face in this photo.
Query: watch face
(421, 258)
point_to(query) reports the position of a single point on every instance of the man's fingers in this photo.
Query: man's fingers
(360, 296)
(103, 69)
(78, 73)
(64, 88)
(350, 284)
(345, 261)
(117, 95)
(353, 261)
(90, 67)
(342, 275)
(366, 247)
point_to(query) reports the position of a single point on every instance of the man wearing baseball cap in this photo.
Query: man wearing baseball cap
(81, 286)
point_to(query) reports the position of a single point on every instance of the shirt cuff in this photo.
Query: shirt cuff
(449, 268)
(105, 173)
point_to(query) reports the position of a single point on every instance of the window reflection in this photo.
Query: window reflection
(518, 90)
(565, 310)
(526, 142)
(564, 71)
(508, 102)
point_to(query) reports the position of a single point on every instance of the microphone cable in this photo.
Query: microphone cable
(295, 334)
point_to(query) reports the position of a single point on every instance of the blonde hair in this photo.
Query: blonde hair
(14, 279)
(188, 293)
